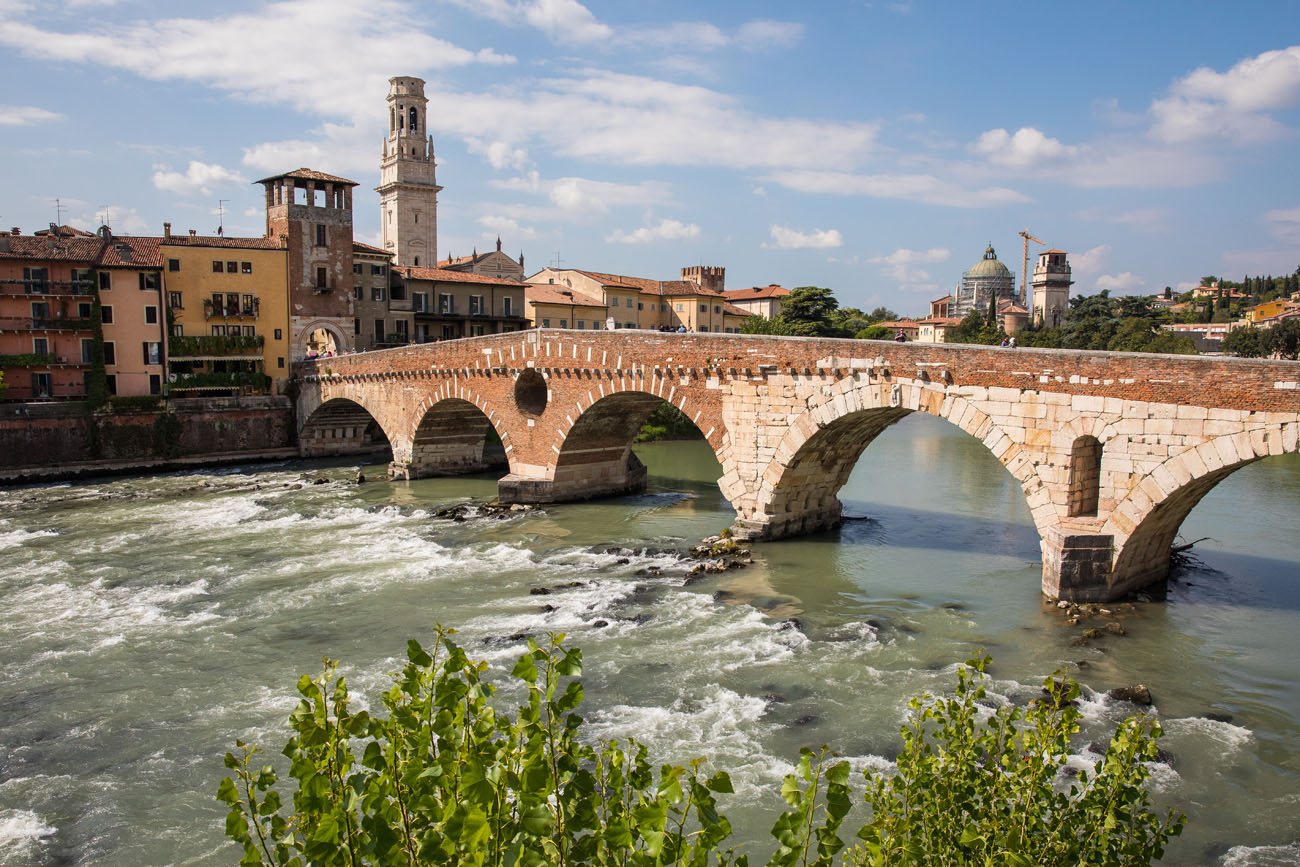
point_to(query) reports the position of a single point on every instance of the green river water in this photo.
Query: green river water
(146, 623)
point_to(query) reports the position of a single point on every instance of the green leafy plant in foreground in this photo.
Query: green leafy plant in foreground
(444, 778)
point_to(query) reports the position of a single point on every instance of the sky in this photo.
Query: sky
(872, 147)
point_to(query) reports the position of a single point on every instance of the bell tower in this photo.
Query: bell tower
(1051, 289)
(408, 191)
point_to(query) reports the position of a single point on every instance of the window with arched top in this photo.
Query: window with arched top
(415, 121)
(1085, 477)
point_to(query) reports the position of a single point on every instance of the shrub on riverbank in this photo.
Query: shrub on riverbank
(668, 422)
(444, 778)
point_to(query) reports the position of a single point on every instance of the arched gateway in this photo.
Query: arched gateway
(1111, 450)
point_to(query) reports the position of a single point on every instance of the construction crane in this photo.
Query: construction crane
(1024, 270)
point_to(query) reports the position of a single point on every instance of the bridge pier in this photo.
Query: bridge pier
(584, 480)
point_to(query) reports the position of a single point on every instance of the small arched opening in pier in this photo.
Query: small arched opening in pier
(1085, 477)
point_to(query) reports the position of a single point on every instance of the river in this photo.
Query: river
(146, 623)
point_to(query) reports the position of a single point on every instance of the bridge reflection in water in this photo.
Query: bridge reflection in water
(1112, 450)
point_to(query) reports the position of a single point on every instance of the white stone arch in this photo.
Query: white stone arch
(871, 407)
(1146, 521)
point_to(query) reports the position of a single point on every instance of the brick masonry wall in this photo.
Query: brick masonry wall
(201, 428)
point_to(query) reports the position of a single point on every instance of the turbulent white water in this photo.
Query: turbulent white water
(147, 623)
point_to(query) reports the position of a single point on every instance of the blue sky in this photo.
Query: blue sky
(873, 147)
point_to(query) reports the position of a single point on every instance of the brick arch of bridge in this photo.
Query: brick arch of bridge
(446, 432)
(344, 423)
(797, 491)
(1145, 523)
(593, 425)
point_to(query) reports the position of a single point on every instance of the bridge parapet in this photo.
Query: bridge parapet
(1111, 449)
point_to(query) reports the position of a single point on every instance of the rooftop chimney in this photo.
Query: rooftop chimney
(167, 230)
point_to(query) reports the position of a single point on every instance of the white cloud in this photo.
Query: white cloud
(1026, 148)
(499, 154)
(197, 179)
(123, 220)
(1147, 219)
(664, 230)
(785, 238)
(1285, 224)
(1090, 261)
(560, 20)
(25, 115)
(582, 195)
(926, 189)
(900, 265)
(764, 33)
(1206, 104)
(1124, 283)
(505, 227)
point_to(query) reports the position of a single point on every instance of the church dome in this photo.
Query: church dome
(989, 267)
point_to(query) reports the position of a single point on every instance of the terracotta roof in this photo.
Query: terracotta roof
(947, 297)
(307, 174)
(52, 247)
(1006, 305)
(358, 247)
(772, 290)
(442, 275)
(461, 260)
(222, 241)
(65, 232)
(941, 320)
(549, 293)
(131, 252)
(733, 310)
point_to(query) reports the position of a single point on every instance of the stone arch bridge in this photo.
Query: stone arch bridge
(1111, 450)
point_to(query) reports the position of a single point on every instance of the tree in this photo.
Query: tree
(976, 327)
(758, 325)
(875, 332)
(1284, 338)
(1248, 342)
(445, 778)
(882, 314)
(810, 311)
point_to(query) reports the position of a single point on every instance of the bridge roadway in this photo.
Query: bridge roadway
(1112, 450)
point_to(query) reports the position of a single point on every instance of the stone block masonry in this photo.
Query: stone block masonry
(1111, 450)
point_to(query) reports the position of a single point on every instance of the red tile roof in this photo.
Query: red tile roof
(358, 247)
(222, 241)
(131, 252)
(733, 310)
(442, 275)
(307, 174)
(549, 293)
(51, 247)
(771, 290)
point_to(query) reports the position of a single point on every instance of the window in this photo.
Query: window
(356, 326)
(106, 314)
(377, 293)
(582, 324)
(174, 300)
(400, 330)
(357, 268)
(279, 361)
(322, 235)
(149, 280)
(155, 383)
(105, 281)
(40, 345)
(248, 304)
(378, 270)
(476, 305)
(110, 352)
(218, 304)
(417, 261)
(564, 323)
(379, 331)
(150, 315)
(40, 310)
(36, 280)
(232, 267)
(704, 328)
(358, 294)
(546, 323)
(640, 306)
(87, 351)
(232, 303)
(704, 308)
(110, 383)
(84, 309)
(83, 279)
(446, 303)
(42, 385)
(245, 267)
(507, 306)
(420, 302)
(173, 264)
(717, 308)
(322, 277)
(218, 331)
(397, 293)
(279, 334)
(680, 307)
(217, 267)
(178, 330)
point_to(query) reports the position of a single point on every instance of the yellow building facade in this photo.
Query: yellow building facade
(227, 305)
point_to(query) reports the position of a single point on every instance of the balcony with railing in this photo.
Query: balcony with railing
(215, 347)
(250, 310)
(29, 359)
(47, 323)
(37, 286)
